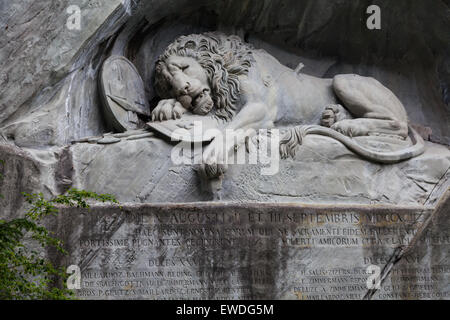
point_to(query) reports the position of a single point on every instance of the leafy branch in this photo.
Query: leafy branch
(25, 272)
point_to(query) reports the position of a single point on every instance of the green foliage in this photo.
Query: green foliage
(41, 207)
(24, 272)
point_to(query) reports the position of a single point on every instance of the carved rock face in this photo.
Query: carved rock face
(49, 96)
(416, 73)
(53, 99)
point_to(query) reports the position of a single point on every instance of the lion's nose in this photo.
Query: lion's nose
(184, 89)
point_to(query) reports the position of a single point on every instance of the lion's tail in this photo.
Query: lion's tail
(295, 135)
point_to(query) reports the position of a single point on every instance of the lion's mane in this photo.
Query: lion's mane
(224, 58)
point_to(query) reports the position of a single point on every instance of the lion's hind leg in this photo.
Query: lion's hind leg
(367, 126)
(377, 111)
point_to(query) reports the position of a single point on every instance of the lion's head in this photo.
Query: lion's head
(197, 68)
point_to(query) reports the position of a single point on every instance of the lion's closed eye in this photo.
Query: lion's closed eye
(181, 67)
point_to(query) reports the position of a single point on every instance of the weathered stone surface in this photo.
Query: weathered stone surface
(19, 173)
(47, 171)
(253, 251)
(58, 75)
(311, 177)
(60, 103)
(49, 97)
(330, 174)
(422, 271)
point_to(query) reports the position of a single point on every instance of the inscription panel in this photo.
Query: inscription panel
(242, 252)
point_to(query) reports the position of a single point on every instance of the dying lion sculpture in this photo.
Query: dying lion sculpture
(250, 89)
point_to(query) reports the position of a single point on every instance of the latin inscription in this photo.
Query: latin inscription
(238, 253)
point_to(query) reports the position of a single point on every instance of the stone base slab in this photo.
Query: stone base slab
(258, 251)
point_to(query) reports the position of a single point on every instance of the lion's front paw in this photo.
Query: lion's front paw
(168, 109)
